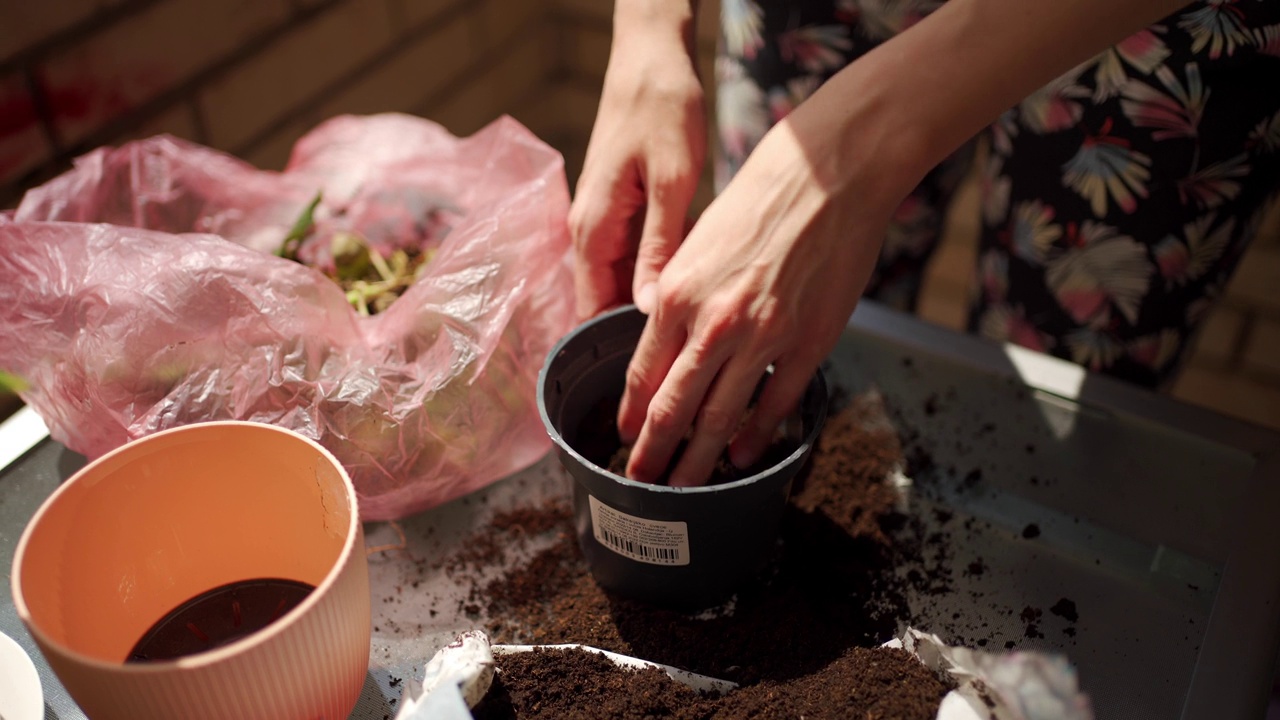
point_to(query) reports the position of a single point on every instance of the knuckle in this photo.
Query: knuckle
(576, 221)
(723, 318)
(662, 417)
(673, 179)
(703, 349)
(717, 421)
(683, 92)
(673, 295)
(637, 378)
(774, 320)
(580, 237)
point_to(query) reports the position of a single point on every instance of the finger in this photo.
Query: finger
(598, 288)
(718, 420)
(605, 231)
(782, 392)
(659, 345)
(666, 210)
(671, 412)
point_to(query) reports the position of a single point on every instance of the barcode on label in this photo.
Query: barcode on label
(658, 542)
(633, 548)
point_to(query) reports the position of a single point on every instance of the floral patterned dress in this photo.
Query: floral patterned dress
(1116, 200)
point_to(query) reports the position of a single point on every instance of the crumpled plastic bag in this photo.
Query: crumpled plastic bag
(139, 292)
(1019, 685)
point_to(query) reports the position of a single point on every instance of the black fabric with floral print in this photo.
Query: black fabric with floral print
(1116, 201)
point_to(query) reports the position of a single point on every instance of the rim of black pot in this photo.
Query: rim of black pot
(810, 437)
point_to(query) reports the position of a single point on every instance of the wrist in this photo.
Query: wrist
(859, 134)
(655, 25)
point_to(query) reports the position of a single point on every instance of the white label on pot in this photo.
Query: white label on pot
(648, 541)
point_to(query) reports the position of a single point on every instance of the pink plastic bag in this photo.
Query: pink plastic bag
(123, 331)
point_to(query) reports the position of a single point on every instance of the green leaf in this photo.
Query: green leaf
(12, 383)
(301, 228)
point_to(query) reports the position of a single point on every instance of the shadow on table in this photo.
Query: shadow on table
(822, 593)
(372, 705)
(69, 463)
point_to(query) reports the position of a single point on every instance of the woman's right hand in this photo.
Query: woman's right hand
(642, 165)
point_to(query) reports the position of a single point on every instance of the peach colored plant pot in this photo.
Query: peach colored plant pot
(165, 518)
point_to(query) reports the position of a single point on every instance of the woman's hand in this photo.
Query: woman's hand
(768, 276)
(643, 161)
(772, 270)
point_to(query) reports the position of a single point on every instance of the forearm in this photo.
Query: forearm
(916, 98)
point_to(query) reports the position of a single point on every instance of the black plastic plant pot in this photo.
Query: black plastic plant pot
(688, 548)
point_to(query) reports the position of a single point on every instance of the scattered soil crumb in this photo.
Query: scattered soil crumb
(1065, 609)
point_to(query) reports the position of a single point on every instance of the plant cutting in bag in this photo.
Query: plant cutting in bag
(391, 295)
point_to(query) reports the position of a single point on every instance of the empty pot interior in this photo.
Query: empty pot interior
(590, 367)
(146, 529)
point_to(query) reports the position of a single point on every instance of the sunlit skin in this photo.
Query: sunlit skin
(771, 271)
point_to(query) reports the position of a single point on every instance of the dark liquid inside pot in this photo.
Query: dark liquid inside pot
(218, 617)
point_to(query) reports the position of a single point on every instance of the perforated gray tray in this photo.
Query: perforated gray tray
(1160, 521)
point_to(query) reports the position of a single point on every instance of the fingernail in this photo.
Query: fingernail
(638, 475)
(743, 454)
(647, 296)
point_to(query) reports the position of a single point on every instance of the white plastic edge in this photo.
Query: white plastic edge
(18, 434)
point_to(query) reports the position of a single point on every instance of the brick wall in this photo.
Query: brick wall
(251, 76)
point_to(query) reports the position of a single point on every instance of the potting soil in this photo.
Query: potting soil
(556, 684)
(830, 596)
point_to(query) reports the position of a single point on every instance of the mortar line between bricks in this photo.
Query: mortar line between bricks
(531, 96)
(560, 44)
(99, 21)
(197, 119)
(44, 112)
(317, 99)
(486, 62)
(583, 82)
(185, 92)
(188, 92)
(396, 13)
(564, 17)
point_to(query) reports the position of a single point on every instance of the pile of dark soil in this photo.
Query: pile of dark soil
(557, 684)
(802, 641)
(830, 587)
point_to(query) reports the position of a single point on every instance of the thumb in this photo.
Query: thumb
(664, 230)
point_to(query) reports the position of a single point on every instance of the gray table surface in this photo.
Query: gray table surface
(1160, 520)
